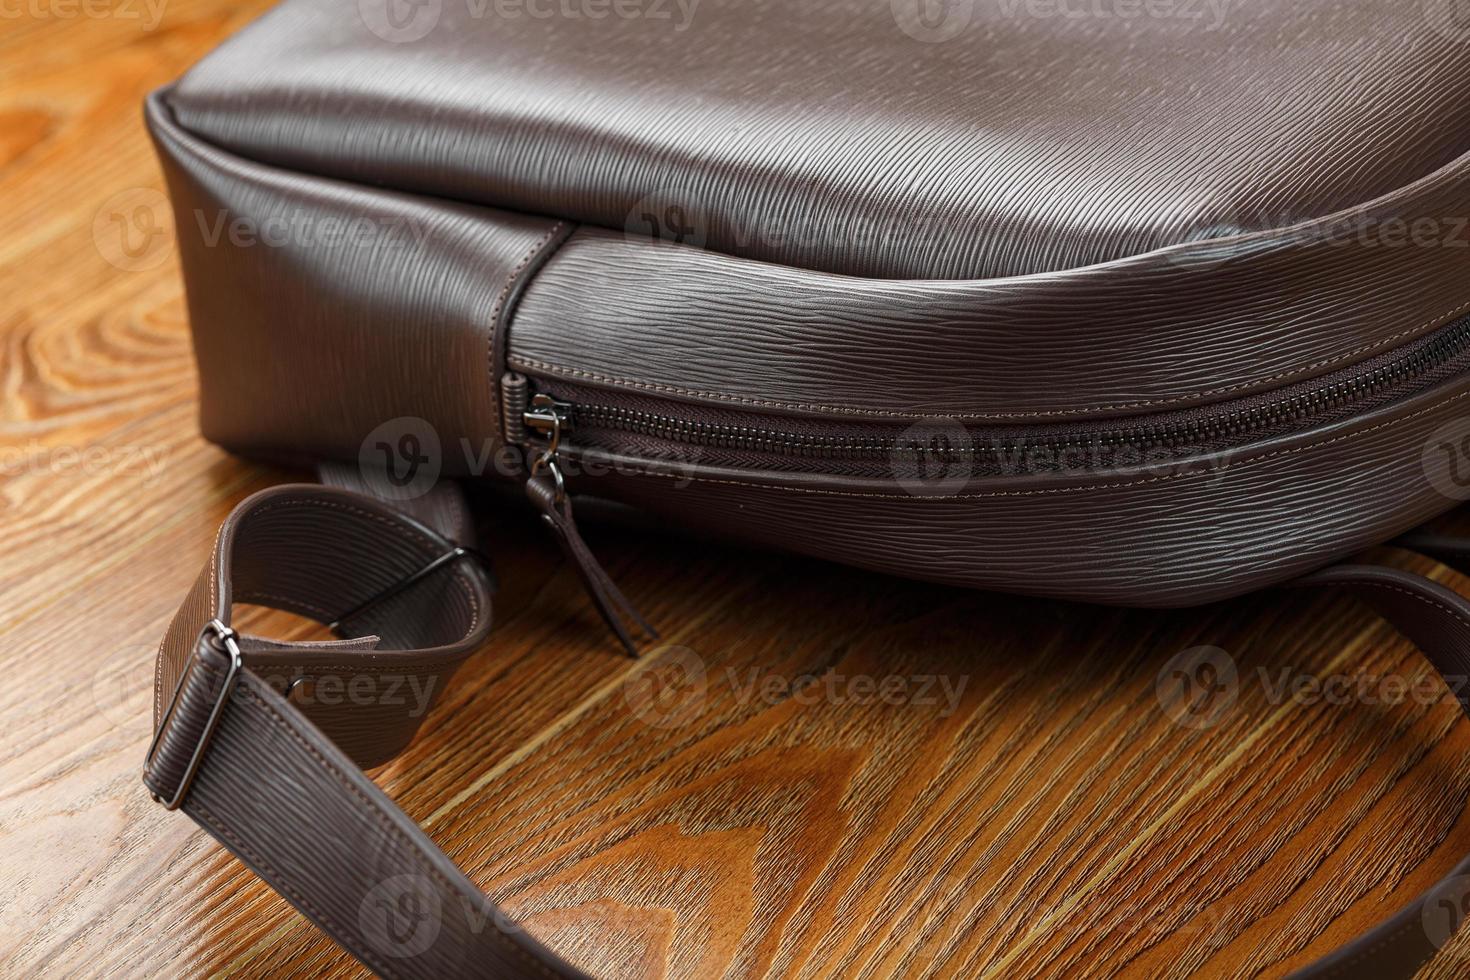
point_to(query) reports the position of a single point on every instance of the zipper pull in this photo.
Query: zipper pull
(546, 487)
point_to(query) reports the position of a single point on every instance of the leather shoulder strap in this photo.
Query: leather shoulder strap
(275, 776)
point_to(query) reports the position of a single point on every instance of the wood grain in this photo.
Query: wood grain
(742, 803)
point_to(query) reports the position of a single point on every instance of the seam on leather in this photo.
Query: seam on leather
(391, 828)
(1435, 603)
(1341, 360)
(1048, 491)
(276, 597)
(500, 316)
(213, 610)
(1363, 954)
(253, 856)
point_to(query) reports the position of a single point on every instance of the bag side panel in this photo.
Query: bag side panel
(322, 310)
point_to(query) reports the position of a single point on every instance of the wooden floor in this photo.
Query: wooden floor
(1024, 806)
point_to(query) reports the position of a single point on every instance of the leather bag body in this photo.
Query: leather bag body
(1149, 311)
(976, 307)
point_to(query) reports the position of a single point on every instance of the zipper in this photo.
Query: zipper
(610, 420)
(547, 489)
(541, 420)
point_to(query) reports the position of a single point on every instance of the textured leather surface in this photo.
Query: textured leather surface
(336, 308)
(1039, 219)
(823, 135)
(1162, 331)
(410, 337)
(1170, 536)
(298, 552)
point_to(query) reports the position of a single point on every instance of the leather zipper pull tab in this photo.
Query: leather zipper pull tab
(547, 492)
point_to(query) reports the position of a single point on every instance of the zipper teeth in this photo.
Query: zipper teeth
(1228, 425)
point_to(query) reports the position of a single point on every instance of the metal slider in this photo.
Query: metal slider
(228, 639)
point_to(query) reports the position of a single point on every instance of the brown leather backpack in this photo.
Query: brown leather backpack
(1151, 310)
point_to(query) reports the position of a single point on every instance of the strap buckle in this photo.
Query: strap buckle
(228, 639)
